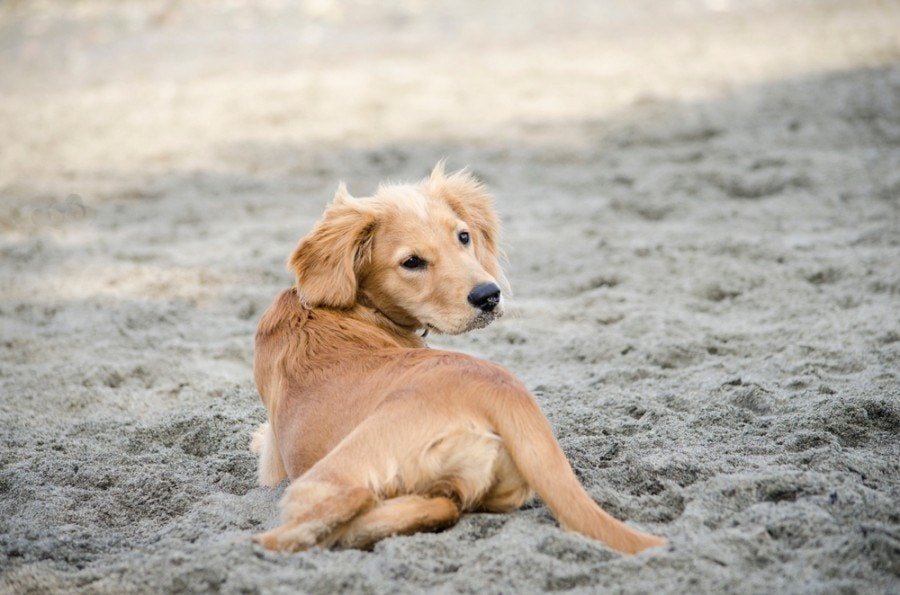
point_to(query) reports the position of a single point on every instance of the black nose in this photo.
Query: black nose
(485, 296)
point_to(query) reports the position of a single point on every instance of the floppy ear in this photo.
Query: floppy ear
(468, 198)
(326, 261)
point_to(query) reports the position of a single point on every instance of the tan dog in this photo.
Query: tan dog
(379, 434)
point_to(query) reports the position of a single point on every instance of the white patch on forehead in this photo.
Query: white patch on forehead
(410, 199)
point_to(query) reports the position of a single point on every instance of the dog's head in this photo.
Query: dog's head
(424, 256)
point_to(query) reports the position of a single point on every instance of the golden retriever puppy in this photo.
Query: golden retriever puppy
(379, 434)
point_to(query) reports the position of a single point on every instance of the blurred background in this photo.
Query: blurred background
(100, 96)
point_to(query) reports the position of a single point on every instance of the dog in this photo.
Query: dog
(378, 434)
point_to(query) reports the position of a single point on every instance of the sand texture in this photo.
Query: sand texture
(701, 204)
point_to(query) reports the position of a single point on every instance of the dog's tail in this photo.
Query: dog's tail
(530, 441)
(271, 468)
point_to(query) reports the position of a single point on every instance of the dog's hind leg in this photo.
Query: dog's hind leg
(271, 468)
(403, 515)
(313, 510)
(358, 494)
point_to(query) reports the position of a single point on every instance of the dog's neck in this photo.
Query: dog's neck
(372, 314)
(406, 336)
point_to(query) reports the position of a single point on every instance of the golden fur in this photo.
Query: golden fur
(378, 434)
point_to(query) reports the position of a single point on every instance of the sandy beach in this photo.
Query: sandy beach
(701, 210)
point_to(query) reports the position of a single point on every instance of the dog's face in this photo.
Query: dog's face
(424, 256)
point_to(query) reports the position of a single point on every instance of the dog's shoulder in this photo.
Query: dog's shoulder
(285, 312)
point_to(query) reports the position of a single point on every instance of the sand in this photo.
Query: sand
(701, 204)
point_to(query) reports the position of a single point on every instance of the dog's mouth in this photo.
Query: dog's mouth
(479, 321)
(485, 318)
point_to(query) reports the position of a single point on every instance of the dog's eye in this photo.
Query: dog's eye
(413, 263)
(464, 238)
